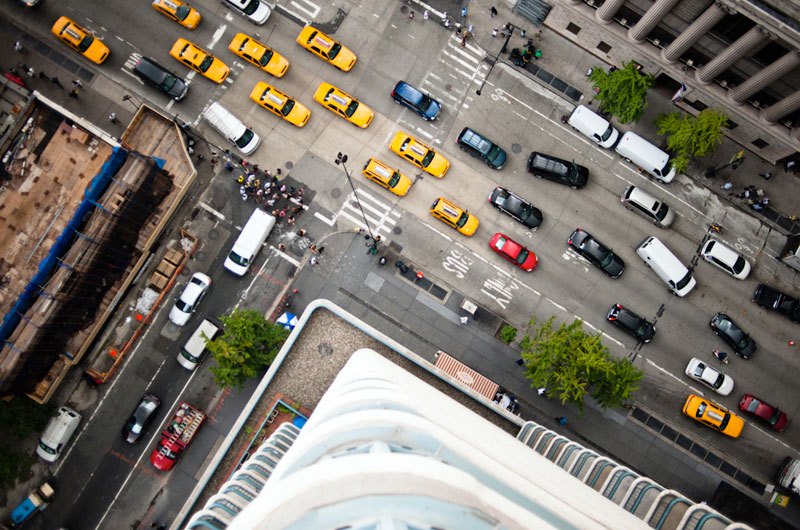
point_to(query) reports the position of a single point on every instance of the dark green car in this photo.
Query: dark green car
(478, 145)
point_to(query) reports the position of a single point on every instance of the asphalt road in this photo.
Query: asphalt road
(513, 111)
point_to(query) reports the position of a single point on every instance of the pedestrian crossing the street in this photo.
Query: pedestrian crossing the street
(456, 69)
(380, 215)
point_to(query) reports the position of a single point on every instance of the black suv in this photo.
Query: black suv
(551, 168)
(153, 73)
(631, 323)
(774, 300)
(480, 146)
(601, 256)
(515, 206)
(422, 104)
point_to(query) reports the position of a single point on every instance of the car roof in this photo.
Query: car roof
(408, 91)
(720, 251)
(643, 198)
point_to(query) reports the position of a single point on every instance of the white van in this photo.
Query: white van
(59, 430)
(650, 158)
(249, 242)
(192, 352)
(231, 128)
(593, 126)
(669, 268)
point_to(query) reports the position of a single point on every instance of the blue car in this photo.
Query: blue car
(422, 104)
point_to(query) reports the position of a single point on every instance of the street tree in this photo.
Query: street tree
(572, 363)
(248, 345)
(690, 136)
(623, 92)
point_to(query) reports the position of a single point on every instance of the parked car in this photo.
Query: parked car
(775, 300)
(190, 298)
(551, 168)
(631, 323)
(515, 206)
(479, 146)
(598, 254)
(776, 419)
(727, 329)
(713, 415)
(416, 100)
(639, 201)
(156, 75)
(725, 258)
(140, 418)
(513, 252)
(711, 377)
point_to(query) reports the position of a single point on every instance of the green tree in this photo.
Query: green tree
(691, 136)
(249, 344)
(571, 363)
(623, 92)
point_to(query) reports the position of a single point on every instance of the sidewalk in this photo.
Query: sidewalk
(562, 69)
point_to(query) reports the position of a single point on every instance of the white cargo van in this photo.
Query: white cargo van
(231, 128)
(59, 430)
(249, 242)
(789, 475)
(593, 126)
(192, 352)
(664, 263)
(650, 158)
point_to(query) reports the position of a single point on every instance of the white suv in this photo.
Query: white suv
(725, 258)
(256, 10)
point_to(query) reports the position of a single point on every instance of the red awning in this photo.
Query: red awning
(466, 375)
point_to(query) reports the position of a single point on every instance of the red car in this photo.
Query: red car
(775, 418)
(513, 252)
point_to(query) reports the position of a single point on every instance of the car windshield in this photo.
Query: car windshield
(168, 82)
(334, 51)
(522, 256)
(85, 43)
(641, 331)
(739, 265)
(182, 12)
(492, 154)
(288, 107)
(395, 179)
(183, 306)
(725, 420)
(684, 281)
(351, 108)
(251, 7)
(245, 139)
(206, 64)
(425, 103)
(428, 158)
(239, 260)
(718, 382)
(666, 169)
(47, 448)
(462, 220)
(606, 135)
(662, 212)
(265, 58)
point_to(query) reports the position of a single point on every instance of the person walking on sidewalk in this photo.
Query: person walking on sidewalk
(73, 93)
(492, 11)
(562, 420)
(77, 83)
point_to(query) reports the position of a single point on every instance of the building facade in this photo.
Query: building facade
(740, 56)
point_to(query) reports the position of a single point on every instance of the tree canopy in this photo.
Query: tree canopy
(691, 136)
(249, 344)
(572, 363)
(623, 92)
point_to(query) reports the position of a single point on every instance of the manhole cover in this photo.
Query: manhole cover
(516, 148)
(448, 87)
(213, 234)
(324, 349)
(336, 193)
(289, 165)
(200, 255)
(397, 230)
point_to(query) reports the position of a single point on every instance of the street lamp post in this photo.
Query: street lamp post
(510, 27)
(341, 158)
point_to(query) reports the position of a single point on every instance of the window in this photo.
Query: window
(604, 47)
(574, 29)
(759, 143)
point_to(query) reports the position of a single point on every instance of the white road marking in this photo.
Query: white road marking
(285, 256)
(329, 222)
(211, 210)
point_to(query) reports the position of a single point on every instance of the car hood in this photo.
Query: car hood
(616, 267)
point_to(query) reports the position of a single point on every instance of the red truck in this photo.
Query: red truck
(176, 436)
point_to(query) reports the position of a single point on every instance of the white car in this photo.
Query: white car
(190, 298)
(256, 10)
(725, 258)
(711, 377)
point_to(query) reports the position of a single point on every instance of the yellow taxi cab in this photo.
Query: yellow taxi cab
(326, 48)
(280, 104)
(452, 215)
(80, 40)
(180, 12)
(387, 177)
(344, 105)
(419, 154)
(199, 60)
(713, 415)
(259, 55)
